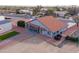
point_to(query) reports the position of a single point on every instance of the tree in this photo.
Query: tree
(50, 12)
(36, 10)
(56, 8)
(77, 42)
(73, 10)
(76, 19)
(17, 11)
(73, 39)
(21, 23)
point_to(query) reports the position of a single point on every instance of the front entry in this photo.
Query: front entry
(34, 28)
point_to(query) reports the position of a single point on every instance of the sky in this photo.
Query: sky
(39, 2)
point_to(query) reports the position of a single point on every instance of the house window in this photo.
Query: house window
(57, 31)
(49, 33)
(60, 32)
(54, 33)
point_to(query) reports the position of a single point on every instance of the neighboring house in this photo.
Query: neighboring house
(43, 9)
(48, 26)
(60, 13)
(69, 19)
(42, 12)
(29, 12)
(4, 25)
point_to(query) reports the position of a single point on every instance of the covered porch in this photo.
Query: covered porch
(34, 28)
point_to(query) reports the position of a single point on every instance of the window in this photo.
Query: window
(60, 32)
(57, 31)
(49, 33)
(54, 33)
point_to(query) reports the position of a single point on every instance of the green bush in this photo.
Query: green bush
(73, 39)
(8, 35)
(21, 24)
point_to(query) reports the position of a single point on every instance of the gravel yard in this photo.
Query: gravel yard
(36, 44)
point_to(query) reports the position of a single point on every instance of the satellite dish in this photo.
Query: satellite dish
(2, 18)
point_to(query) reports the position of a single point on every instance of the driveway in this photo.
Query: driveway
(37, 44)
(32, 42)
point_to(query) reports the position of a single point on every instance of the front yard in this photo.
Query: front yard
(8, 35)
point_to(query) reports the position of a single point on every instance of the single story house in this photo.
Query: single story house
(47, 25)
(60, 13)
(4, 25)
(29, 12)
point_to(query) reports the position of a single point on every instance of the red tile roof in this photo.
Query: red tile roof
(52, 23)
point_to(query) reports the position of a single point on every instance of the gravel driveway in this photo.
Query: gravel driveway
(29, 42)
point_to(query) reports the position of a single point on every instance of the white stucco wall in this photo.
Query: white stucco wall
(5, 27)
(60, 13)
(2, 18)
(70, 24)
